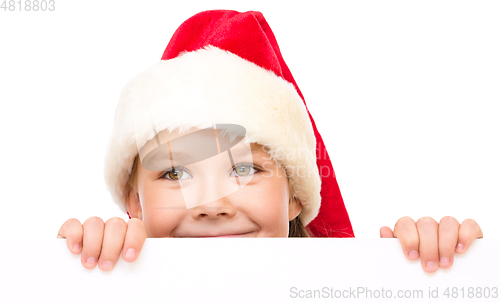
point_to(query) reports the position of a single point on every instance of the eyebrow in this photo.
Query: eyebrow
(243, 151)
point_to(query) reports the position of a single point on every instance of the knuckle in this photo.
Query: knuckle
(404, 221)
(116, 222)
(426, 222)
(405, 218)
(94, 221)
(135, 221)
(472, 225)
(69, 227)
(448, 220)
(469, 222)
(72, 221)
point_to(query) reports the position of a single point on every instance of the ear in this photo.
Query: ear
(294, 208)
(133, 203)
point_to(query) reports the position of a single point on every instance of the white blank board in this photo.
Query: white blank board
(232, 269)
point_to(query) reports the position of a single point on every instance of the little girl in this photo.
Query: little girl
(215, 140)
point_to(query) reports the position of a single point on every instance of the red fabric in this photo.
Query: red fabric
(249, 36)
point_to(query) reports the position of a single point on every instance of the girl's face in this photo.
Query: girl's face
(261, 208)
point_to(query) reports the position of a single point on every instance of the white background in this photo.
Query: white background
(405, 94)
(214, 270)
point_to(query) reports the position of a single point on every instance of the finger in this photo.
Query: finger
(114, 235)
(72, 230)
(93, 233)
(134, 240)
(386, 232)
(468, 231)
(447, 236)
(406, 231)
(429, 246)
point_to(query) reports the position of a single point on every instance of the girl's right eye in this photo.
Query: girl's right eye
(176, 174)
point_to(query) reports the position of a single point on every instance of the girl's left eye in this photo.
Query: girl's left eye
(243, 170)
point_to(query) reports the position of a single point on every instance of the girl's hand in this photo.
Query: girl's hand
(101, 243)
(435, 243)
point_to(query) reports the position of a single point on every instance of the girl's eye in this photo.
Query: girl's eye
(245, 170)
(241, 170)
(176, 174)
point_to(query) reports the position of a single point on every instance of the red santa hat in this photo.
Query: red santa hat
(235, 60)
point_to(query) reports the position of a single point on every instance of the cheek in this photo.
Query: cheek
(162, 209)
(269, 201)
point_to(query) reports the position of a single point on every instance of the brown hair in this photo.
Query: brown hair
(295, 226)
(132, 179)
(297, 229)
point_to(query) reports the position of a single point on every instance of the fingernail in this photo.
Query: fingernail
(107, 265)
(130, 254)
(90, 261)
(76, 247)
(431, 265)
(413, 254)
(460, 247)
(444, 261)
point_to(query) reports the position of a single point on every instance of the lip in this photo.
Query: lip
(225, 236)
(220, 236)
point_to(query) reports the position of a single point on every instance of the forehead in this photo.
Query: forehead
(186, 146)
(258, 149)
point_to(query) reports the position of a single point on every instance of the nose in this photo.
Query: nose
(216, 209)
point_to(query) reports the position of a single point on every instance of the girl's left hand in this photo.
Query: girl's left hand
(435, 243)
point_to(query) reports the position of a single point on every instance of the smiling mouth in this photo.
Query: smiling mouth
(221, 236)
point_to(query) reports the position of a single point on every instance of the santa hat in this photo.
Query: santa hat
(234, 59)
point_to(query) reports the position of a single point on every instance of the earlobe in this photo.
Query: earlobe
(294, 208)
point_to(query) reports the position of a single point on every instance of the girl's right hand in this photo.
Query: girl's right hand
(101, 243)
